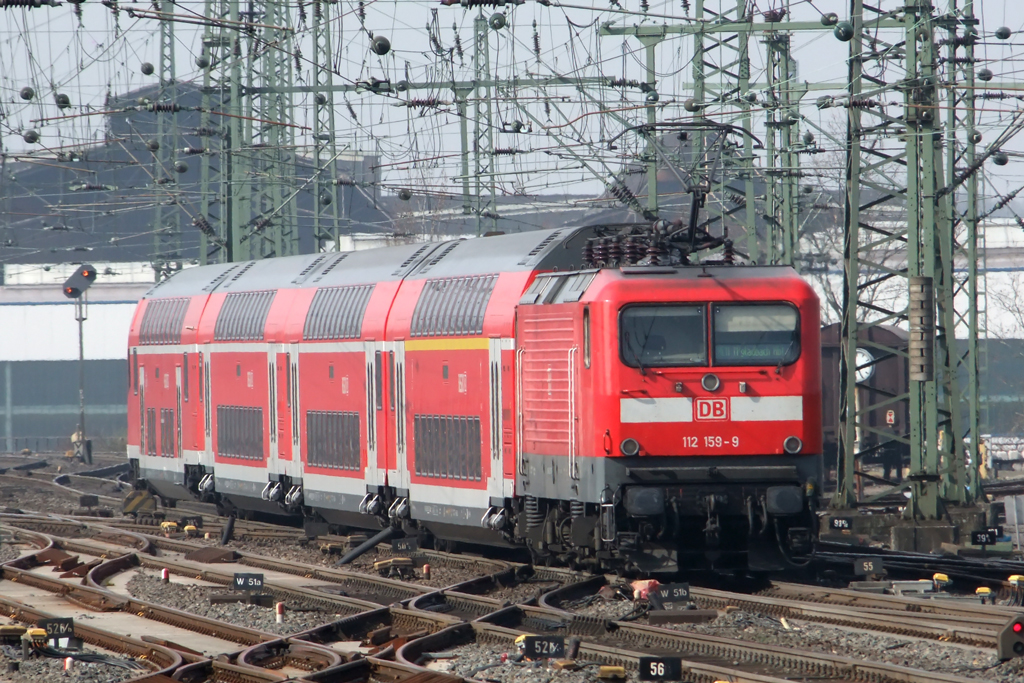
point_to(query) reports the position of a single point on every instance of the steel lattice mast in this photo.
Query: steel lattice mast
(327, 223)
(914, 257)
(167, 218)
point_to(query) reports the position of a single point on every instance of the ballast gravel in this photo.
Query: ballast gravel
(27, 496)
(914, 653)
(9, 552)
(45, 670)
(440, 576)
(195, 599)
(479, 662)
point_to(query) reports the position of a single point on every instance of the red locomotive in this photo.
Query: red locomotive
(561, 391)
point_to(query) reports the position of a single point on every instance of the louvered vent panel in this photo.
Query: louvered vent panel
(243, 316)
(240, 432)
(333, 439)
(452, 306)
(530, 258)
(330, 266)
(163, 320)
(337, 313)
(411, 260)
(448, 447)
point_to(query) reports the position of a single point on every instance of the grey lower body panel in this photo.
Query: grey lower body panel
(166, 483)
(549, 477)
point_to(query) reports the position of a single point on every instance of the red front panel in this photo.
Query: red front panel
(668, 410)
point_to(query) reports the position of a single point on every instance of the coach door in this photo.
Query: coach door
(376, 458)
(395, 351)
(206, 394)
(177, 411)
(282, 381)
(495, 480)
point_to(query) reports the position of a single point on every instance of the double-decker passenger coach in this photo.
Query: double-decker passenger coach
(584, 394)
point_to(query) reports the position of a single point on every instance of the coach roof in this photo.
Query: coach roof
(541, 249)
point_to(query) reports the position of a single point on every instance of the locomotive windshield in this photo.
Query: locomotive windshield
(663, 336)
(758, 334)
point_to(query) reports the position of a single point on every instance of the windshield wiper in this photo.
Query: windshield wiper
(636, 356)
(785, 355)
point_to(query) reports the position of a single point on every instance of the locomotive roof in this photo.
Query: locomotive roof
(539, 249)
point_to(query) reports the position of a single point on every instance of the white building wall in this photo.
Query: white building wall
(48, 331)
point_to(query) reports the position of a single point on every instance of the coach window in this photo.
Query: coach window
(756, 334)
(135, 369)
(586, 336)
(663, 336)
(184, 372)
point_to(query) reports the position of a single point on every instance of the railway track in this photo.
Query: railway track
(474, 617)
(951, 627)
(645, 640)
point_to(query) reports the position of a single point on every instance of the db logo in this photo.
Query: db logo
(710, 409)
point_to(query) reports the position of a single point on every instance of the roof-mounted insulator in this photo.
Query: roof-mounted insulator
(624, 83)
(481, 3)
(92, 187)
(192, 151)
(506, 151)
(458, 42)
(30, 4)
(960, 41)
(164, 107)
(424, 102)
(204, 227)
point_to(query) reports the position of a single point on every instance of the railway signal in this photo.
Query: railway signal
(79, 281)
(1010, 643)
(74, 288)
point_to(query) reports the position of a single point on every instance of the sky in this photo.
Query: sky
(564, 144)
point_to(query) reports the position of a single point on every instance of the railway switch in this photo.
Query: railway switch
(1010, 643)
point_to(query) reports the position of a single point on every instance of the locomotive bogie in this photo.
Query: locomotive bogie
(492, 392)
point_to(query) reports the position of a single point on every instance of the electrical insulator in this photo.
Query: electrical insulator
(380, 45)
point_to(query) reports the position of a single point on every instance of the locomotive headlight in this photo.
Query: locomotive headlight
(792, 444)
(629, 447)
(710, 382)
